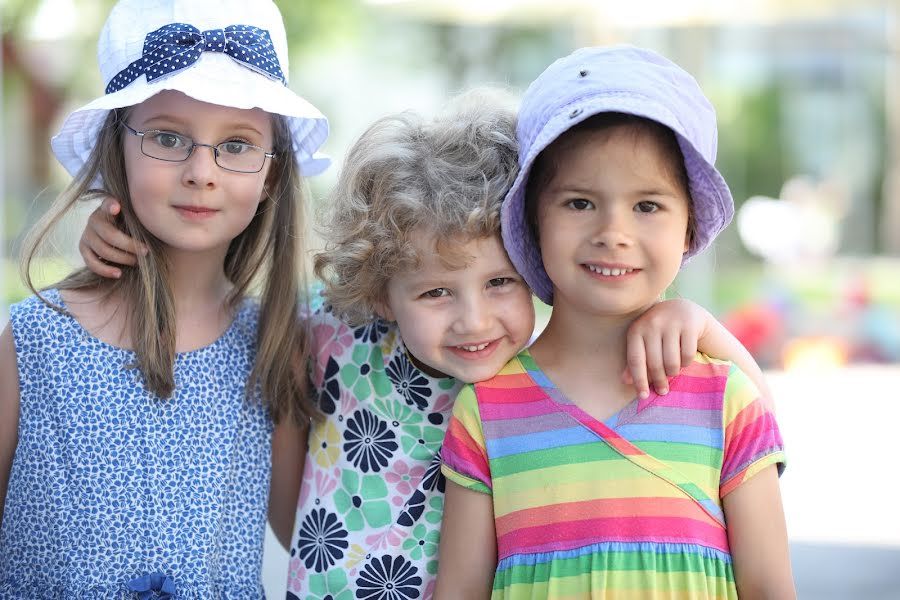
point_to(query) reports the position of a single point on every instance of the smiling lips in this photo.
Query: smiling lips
(610, 271)
(475, 351)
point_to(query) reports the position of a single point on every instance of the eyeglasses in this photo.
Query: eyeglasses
(169, 146)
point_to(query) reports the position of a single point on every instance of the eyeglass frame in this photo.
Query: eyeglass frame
(194, 144)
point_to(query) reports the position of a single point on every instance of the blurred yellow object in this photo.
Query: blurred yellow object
(814, 353)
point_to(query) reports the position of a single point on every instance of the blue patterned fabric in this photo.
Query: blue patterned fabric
(113, 488)
(177, 46)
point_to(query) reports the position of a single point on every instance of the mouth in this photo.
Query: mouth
(195, 212)
(475, 350)
(610, 271)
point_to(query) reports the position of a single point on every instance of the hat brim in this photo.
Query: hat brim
(210, 80)
(713, 207)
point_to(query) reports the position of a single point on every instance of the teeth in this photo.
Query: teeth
(609, 272)
(473, 348)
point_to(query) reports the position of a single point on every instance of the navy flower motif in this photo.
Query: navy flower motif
(372, 332)
(322, 540)
(433, 478)
(388, 578)
(331, 388)
(409, 381)
(413, 509)
(368, 441)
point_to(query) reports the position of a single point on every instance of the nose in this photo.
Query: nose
(613, 228)
(200, 168)
(473, 315)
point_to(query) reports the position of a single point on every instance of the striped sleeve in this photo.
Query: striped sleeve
(463, 454)
(752, 440)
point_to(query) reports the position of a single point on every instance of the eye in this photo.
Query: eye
(500, 281)
(580, 204)
(168, 139)
(436, 293)
(235, 147)
(646, 206)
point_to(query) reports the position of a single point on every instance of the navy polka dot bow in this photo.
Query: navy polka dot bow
(178, 45)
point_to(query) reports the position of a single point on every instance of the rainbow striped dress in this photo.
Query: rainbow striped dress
(627, 508)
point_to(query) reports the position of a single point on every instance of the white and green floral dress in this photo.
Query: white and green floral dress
(369, 513)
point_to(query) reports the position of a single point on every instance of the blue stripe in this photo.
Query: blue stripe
(687, 434)
(543, 440)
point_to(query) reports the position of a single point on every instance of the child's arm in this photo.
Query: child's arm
(9, 410)
(289, 446)
(102, 242)
(467, 556)
(757, 535)
(667, 336)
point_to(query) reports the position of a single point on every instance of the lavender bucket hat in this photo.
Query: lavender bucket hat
(620, 79)
(226, 52)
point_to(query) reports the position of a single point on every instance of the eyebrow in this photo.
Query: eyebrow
(590, 192)
(179, 122)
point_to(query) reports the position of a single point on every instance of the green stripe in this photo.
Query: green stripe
(682, 452)
(630, 567)
(552, 457)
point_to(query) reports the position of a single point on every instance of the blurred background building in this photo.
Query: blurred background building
(808, 276)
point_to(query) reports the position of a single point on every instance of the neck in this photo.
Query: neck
(197, 281)
(584, 342)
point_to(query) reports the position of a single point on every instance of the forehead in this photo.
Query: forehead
(645, 152)
(179, 107)
(447, 255)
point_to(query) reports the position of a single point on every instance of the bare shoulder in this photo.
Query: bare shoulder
(100, 313)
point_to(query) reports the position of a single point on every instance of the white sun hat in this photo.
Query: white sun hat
(226, 52)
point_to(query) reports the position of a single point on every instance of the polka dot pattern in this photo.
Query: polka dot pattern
(178, 45)
(110, 483)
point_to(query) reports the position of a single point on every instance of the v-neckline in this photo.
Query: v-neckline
(558, 397)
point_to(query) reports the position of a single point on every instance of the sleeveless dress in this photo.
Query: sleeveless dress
(116, 493)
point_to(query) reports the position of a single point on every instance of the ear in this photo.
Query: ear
(383, 310)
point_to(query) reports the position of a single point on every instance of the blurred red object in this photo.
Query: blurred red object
(760, 328)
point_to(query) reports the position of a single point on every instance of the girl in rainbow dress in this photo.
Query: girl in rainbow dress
(562, 482)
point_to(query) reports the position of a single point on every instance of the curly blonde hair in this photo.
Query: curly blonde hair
(447, 176)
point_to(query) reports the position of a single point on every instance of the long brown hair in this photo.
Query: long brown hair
(263, 258)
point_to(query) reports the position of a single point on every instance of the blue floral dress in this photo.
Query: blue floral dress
(116, 493)
(369, 514)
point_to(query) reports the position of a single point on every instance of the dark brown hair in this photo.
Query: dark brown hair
(544, 168)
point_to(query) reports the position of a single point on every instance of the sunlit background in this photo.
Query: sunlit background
(808, 275)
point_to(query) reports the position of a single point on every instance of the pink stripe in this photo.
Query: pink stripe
(682, 507)
(755, 440)
(689, 400)
(574, 534)
(694, 385)
(534, 408)
(471, 468)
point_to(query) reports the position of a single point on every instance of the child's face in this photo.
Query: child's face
(465, 322)
(194, 205)
(612, 222)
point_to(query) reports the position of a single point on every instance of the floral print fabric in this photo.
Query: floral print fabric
(369, 513)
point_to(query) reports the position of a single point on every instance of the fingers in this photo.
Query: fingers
(636, 370)
(656, 368)
(110, 206)
(95, 264)
(102, 242)
(108, 242)
(688, 343)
